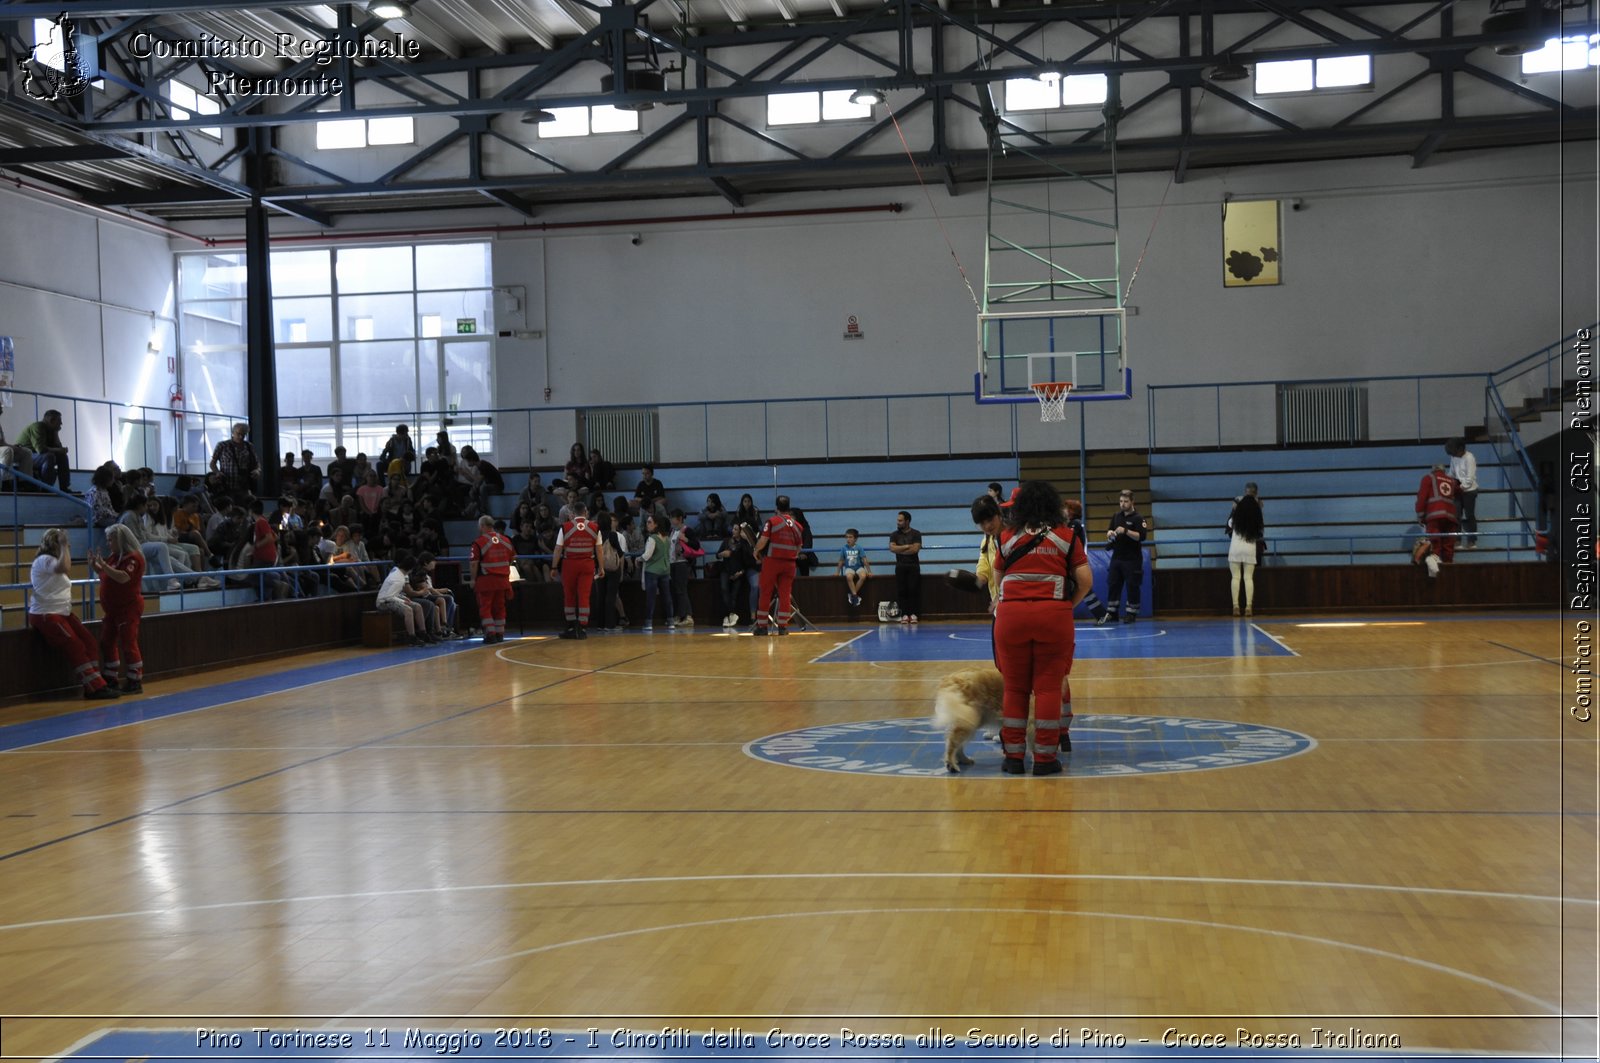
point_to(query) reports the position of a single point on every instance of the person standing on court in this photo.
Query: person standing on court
(1464, 467)
(121, 575)
(1044, 573)
(781, 540)
(491, 560)
(50, 614)
(577, 555)
(1248, 529)
(905, 543)
(1126, 536)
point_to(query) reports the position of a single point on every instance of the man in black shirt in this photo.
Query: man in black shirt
(650, 494)
(1126, 536)
(905, 542)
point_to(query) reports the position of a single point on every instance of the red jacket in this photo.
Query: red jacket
(492, 557)
(1041, 574)
(578, 542)
(124, 599)
(784, 537)
(1437, 498)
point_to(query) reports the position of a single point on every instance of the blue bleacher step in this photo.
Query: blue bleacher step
(173, 602)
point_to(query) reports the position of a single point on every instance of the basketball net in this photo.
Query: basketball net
(1052, 400)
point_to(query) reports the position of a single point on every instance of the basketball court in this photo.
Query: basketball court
(1296, 829)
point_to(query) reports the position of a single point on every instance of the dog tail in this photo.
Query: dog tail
(950, 709)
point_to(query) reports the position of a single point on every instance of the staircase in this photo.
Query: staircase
(1097, 483)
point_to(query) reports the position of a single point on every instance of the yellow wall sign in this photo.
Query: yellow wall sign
(1251, 243)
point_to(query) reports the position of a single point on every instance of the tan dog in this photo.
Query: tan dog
(965, 701)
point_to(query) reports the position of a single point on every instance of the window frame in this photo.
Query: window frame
(1315, 89)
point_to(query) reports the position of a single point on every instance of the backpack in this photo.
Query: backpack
(610, 556)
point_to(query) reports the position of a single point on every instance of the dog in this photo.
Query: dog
(965, 701)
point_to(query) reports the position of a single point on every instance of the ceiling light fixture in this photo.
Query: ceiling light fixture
(869, 96)
(390, 9)
(536, 116)
(1532, 22)
(1228, 70)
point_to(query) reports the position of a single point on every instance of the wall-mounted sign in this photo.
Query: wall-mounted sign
(1251, 244)
(466, 325)
(852, 329)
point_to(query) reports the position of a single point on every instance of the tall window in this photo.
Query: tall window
(383, 334)
(582, 121)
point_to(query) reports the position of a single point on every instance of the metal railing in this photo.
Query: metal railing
(45, 490)
(82, 419)
(1215, 549)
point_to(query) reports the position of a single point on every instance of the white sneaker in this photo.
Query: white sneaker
(687, 621)
(731, 620)
(208, 584)
(174, 585)
(1432, 561)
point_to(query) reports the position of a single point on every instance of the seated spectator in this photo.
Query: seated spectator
(310, 477)
(545, 529)
(446, 449)
(334, 488)
(650, 496)
(100, 498)
(534, 492)
(371, 496)
(226, 534)
(159, 559)
(344, 463)
(526, 542)
(577, 469)
(483, 478)
(620, 510)
(50, 614)
(357, 548)
(270, 585)
(157, 529)
(392, 598)
(347, 512)
(288, 475)
(117, 491)
(854, 566)
(358, 471)
(747, 513)
(42, 439)
(16, 457)
(189, 526)
(602, 474)
(396, 500)
(441, 599)
(713, 522)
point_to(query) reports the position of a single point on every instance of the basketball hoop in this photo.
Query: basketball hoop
(1052, 400)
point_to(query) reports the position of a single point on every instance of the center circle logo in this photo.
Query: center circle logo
(1102, 745)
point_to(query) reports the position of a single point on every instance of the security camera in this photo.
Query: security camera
(1298, 204)
(635, 239)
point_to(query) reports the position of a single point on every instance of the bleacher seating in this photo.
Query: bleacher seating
(1323, 506)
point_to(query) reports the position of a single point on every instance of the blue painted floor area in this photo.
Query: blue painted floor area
(105, 717)
(1146, 639)
(853, 1040)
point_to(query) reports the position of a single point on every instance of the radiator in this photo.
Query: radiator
(1322, 413)
(624, 437)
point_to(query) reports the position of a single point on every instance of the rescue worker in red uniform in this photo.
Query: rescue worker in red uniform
(1437, 499)
(121, 605)
(577, 555)
(781, 539)
(492, 558)
(1044, 573)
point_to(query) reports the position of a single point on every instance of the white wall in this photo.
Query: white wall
(1460, 266)
(82, 298)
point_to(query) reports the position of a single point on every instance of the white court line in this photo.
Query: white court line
(1414, 961)
(1206, 880)
(1076, 677)
(837, 646)
(1274, 638)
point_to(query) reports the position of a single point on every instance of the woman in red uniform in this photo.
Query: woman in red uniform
(121, 575)
(1044, 572)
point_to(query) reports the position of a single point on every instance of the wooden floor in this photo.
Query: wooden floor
(573, 835)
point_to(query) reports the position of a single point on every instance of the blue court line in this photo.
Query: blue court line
(106, 717)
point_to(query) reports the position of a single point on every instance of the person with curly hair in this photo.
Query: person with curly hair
(1044, 573)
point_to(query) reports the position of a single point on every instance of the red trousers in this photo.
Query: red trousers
(776, 576)
(1033, 646)
(66, 633)
(492, 606)
(577, 583)
(1441, 533)
(119, 646)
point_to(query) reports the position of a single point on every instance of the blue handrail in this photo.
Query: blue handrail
(48, 489)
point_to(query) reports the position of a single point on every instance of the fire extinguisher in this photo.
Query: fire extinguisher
(176, 395)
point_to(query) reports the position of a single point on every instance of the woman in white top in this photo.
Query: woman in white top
(50, 614)
(1248, 529)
